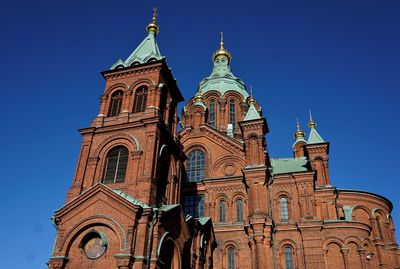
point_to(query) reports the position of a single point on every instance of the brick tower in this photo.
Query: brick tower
(122, 210)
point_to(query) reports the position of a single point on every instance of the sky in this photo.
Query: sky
(340, 59)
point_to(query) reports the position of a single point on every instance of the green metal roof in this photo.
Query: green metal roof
(146, 51)
(314, 137)
(288, 165)
(252, 113)
(166, 208)
(130, 199)
(204, 220)
(222, 79)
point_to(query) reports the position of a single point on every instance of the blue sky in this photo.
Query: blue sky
(338, 58)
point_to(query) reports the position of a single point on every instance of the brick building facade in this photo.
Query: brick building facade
(146, 195)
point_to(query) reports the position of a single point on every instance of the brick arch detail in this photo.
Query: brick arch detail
(288, 242)
(318, 158)
(253, 135)
(116, 87)
(332, 240)
(233, 94)
(376, 211)
(352, 239)
(225, 160)
(133, 143)
(142, 82)
(230, 243)
(212, 94)
(281, 194)
(222, 197)
(87, 223)
(239, 195)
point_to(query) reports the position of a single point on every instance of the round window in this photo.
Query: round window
(94, 244)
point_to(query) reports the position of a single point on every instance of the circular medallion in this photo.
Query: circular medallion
(229, 170)
(94, 245)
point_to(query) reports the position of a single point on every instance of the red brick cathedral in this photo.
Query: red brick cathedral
(146, 195)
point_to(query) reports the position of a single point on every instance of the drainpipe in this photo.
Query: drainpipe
(271, 210)
(149, 248)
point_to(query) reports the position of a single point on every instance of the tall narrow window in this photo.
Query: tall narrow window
(288, 257)
(239, 210)
(194, 205)
(196, 166)
(211, 114)
(232, 113)
(117, 161)
(140, 99)
(284, 209)
(115, 104)
(231, 258)
(221, 211)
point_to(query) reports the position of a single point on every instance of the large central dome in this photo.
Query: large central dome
(221, 78)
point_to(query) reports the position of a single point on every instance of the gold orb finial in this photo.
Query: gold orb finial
(311, 124)
(153, 26)
(222, 51)
(199, 95)
(298, 133)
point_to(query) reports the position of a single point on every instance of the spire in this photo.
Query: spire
(252, 113)
(152, 26)
(222, 51)
(314, 137)
(251, 99)
(311, 124)
(147, 50)
(298, 134)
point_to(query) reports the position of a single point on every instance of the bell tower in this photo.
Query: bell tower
(130, 145)
(122, 209)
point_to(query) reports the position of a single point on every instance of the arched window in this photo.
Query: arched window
(193, 205)
(288, 257)
(284, 209)
(140, 99)
(222, 211)
(232, 113)
(231, 258)
(117, 161)
(115, 104)
(239, 210)
(196, 166)
(211, 114)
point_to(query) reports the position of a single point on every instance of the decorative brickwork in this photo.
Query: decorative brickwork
(250, 211)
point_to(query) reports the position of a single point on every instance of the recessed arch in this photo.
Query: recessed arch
(117, 86)
(88, 223)
(125, 139)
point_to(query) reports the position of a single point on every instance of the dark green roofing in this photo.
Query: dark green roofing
(204, 220)
(146, 51)
(288, 165)
(166, 208)
(252, 113)
(130, 199)
(314, 137)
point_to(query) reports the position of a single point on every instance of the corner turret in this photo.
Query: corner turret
(317, 151)
(298, 145)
